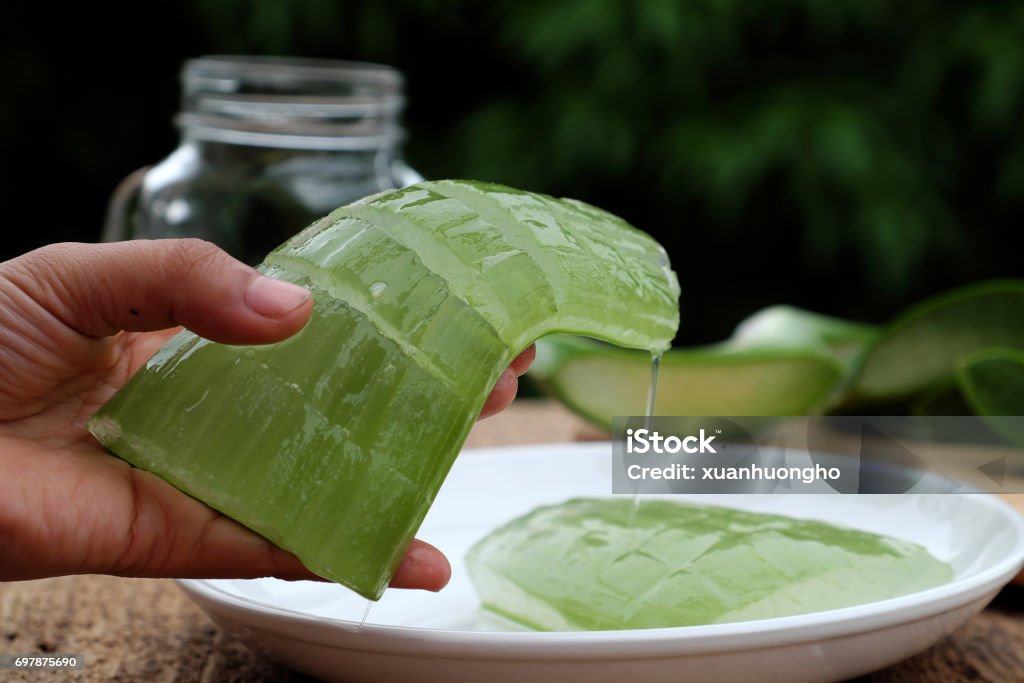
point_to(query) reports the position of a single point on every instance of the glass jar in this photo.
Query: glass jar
(267, 145)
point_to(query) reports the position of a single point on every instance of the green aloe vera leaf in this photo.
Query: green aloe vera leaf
(792, 327)
(919, 350)
(603, 564)
(599, 382)
(332, 444)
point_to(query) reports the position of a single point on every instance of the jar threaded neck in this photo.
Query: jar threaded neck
(291, 102)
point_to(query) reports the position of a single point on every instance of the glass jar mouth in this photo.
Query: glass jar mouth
(231, 73)
(291, 102)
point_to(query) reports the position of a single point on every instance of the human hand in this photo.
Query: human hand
(76, 321)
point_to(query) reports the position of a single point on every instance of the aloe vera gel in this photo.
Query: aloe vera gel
(333, 443)
(603, 564)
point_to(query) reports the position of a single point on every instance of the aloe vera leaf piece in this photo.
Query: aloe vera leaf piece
(919, 350)
(603, 564)
(599, 382)
(333, 444)
(792, 327)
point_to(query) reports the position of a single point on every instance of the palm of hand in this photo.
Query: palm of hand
(67, 506)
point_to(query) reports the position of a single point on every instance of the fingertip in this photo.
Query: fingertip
(272, 310)
(423, 567)
(502, 395)
(227, 301)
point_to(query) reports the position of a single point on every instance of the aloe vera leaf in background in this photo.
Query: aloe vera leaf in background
(792, 327)
(597, 564)
(919, 350)
(599, 382)
(332, 444)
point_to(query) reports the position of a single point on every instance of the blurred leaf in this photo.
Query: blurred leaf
(993, 381)
(920, 349)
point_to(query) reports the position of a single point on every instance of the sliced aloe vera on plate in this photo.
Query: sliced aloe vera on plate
(920, 349)
(599, 382)
(333, 444)
(598, 564)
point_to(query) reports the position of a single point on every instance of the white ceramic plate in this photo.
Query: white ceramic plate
(418, 636)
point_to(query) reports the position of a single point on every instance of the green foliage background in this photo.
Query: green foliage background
(848, 156)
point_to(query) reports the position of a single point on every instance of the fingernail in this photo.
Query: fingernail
(274, 298)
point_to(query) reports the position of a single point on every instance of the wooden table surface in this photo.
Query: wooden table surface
(145, 629)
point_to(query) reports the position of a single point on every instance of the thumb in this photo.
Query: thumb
(143, 285)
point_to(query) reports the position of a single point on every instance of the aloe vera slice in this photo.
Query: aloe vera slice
(792, 327)
(333, 444)
(603, 564)
(919, 350)
(599, 382)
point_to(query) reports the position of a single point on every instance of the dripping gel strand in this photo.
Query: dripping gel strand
(366, 614)
(652, 394)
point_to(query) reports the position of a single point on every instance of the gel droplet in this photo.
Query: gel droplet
(249, 354)
(377, 288)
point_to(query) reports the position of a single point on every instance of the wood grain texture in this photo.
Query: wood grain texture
(147, 630)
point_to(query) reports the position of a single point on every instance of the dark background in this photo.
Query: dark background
(850, 156)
